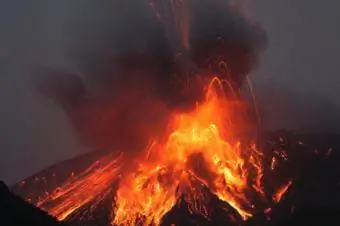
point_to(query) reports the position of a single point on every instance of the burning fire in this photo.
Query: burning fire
(199, 152)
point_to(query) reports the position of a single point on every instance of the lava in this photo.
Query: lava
(89, 187)
(197, 137)
(202, 149)
(193, 155)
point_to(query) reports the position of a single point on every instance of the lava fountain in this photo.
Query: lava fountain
(195, 149)
(199, 151)
(202, 149)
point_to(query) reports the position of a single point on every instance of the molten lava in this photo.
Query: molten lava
(200, 155)
(90, 187)
(199, 152)
(195, 150)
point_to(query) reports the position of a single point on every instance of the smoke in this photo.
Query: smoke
(145, 64)
(282, 107)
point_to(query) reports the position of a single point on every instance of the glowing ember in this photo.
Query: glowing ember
(281, 191)
(273, 163)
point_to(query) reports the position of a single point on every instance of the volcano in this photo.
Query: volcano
(192, 164)
(312, 198)
(176, 131)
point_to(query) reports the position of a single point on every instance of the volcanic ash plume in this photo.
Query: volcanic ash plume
(169, 98)
(154, 62)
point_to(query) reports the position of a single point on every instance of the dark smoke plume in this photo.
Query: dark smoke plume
(149, 67)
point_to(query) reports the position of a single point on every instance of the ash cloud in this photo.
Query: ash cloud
(297, 110)
(133, 67)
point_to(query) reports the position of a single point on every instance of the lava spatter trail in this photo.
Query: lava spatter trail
(89, 187)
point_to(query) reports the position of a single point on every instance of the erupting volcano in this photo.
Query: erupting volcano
(172, 119)
(193, 156)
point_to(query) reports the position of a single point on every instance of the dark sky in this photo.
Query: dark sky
(299, 76)
(297, 82)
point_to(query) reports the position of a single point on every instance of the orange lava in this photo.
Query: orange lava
(195, 150)
(90, 187)
(198, 152)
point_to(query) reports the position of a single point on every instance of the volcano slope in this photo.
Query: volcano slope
(309, 161)
(16, 212)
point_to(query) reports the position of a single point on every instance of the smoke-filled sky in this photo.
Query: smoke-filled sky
(296, 82)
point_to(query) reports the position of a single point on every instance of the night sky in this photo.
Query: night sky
(296, 83)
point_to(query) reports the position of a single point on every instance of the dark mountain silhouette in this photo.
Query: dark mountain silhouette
(14, 211)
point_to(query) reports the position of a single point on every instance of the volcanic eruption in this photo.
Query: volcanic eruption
(169, 112)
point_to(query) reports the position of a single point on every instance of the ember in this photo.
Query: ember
(281, 191)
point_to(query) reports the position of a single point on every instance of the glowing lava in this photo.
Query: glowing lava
(195, 150)
(199, 152)
(90, 187)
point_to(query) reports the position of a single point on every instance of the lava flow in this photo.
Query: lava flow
(89, 187)
(194, 155)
